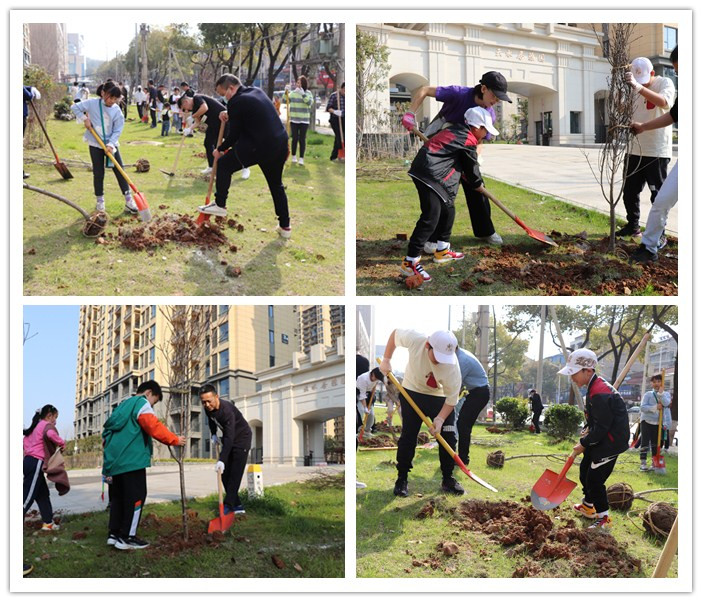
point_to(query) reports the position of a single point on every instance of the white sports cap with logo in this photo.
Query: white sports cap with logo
(579, 359)
(444, 344)
(478, 116)
(641, 67)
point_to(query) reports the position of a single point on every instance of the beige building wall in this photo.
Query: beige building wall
(49, 48)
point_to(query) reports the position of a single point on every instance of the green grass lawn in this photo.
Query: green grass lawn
(387, 205)
(300, 524)
(59, 260)
(393, 542)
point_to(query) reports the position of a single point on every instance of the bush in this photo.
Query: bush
(62, 109)
(513, 410)
(562, 421)
(51, 92)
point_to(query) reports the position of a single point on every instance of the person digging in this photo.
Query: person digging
(652, 404)
(605, 436)
(235, 443)
(256, 137)
(433, 380)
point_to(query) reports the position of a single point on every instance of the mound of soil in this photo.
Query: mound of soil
(384, 427)
(377, 441)
(168, 540)
(496, 459)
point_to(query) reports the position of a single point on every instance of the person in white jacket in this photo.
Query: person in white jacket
(652, 405)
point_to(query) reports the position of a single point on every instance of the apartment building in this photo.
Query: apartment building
(321, 324)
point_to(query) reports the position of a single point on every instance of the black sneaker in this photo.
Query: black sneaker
(643, 255)
(131, 543)
(451, 485)
(628, 230)
(26, 569)
(112, 539)
(401, 487)
(25, 175)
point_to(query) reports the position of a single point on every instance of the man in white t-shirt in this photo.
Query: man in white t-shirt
(433, 381)
(365, 384)
(650, 152)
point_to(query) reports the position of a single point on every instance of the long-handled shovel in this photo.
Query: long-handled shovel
(438, 436)
(658, 459)
(175, 163)
(342, 151)
(535, 234)
(365, 418)
(552, 489)
(139, 199)
(59, 165)
(205, 217)
(223, 521)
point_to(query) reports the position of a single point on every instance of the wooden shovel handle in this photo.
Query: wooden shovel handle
(669, 549)
(43, 129)
(631, 360)
(213, 173)
(497, 202)
(114, 161)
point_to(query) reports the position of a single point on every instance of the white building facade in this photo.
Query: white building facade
(552, 65)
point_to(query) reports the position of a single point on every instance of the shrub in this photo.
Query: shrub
(51, 92)
(62, 109)
(514, 411)
(562, 421)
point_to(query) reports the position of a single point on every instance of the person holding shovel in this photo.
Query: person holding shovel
(256, 137)
(605, 436)
(437, 171)
(433, 381)
(456, 100)
(28, 93)
(653, 406)
(474, 379)
(127, 446)
(105, 116)
(235, 443)
(537, 407)
(365, 384)
(200, 106)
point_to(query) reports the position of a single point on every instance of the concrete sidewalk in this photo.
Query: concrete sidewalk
(560, 172)
(162, 484)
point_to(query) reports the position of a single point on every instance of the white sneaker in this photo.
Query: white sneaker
(294, 159)
(301, 161)
(493, 239)
(360, 485)
(100, 206)
(284, 232)
(207, 171)
(130, 206)
(245, 173)
(213, 209)
(430, 247)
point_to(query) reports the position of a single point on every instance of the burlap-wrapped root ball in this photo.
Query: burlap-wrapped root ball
(95, 224)
(142, 165)
(620, 496)
(658, 519)
(496, 459)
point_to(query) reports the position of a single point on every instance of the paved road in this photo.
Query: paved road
(163, 484)
(561, 172)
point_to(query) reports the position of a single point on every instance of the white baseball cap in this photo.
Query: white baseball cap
(641, 67)
(478, 116)
(444, 344)
(579, 359)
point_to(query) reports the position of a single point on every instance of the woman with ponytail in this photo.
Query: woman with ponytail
(35, 488)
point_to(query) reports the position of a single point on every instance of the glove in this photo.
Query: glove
(366, 410)
(408, 121)
(287, 88)
(219, 467)
(385, 366)
(187, 131)
(111, 149)
(215, 440)
(436, 427)
(338, 113)
(629, 77)
(35, 93)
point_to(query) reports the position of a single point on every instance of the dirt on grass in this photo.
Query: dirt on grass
(384, 427)
(378, 441)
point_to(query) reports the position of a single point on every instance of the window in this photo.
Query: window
(224, 388)
(151, 374)
(153, 311)
(271, 361)
(152, 355)
(152, 332)
(271, 336)
(224, 359)
(207, 370)
(670, 38)
(270, 311)
(224, 332)
(575, 122)
(223, 309)
(284, 338)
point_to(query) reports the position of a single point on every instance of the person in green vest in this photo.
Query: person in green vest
(301, 101)
(127, 448)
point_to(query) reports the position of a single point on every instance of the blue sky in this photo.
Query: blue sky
(50, 361)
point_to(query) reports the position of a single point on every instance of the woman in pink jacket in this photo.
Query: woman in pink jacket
(35, 487)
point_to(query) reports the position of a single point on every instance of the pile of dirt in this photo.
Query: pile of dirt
(168, 538)
(496, 459)
(384, 427)
(377, 441)
(532, 533)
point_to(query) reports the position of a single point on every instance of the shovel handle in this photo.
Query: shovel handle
(109, 154)
(498, 202)
(43, 129)
(365, 418)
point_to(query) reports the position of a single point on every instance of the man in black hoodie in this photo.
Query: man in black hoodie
(235, 442)
(256, 137)
(605, 436)
(536, 408)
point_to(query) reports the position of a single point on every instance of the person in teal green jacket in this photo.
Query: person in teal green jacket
(301, 101)
(127, 448)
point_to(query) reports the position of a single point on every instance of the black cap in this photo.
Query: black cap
(496, 82)
(185, 84)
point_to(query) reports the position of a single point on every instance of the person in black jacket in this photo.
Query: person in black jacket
(256, 136)
(436, 171)
(153, 101)
(536, 408)
(203, 106)
(605, 436)
(235, 442)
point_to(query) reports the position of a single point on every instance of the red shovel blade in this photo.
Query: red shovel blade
(142, 206)
(548, 492)
(535, 234)
(222, 522)
(473, 476)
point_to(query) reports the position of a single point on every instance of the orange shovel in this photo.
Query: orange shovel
(552, 489)
(223, 521)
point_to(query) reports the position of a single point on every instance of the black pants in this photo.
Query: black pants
(649, 439)
(140, 111)
(35, 489)
(476, 400)
(299, 134)
(153, 116)
(272, 170)
(233, 471)
(412, 423)
(535, 420)
(210, 143)
(639, 172)
(436, 219)
(97, 157)
(127, 497)
(593, 480)
(336, 126)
